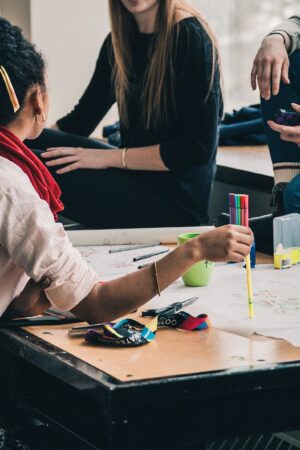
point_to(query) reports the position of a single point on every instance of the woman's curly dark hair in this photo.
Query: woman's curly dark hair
(24, 65)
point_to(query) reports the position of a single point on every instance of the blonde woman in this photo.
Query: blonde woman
(160, 63)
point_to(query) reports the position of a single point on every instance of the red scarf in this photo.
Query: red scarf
(46, 187)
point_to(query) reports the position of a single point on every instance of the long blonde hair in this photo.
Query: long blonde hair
(155, 95)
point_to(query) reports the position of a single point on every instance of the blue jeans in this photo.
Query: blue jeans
(283, 154)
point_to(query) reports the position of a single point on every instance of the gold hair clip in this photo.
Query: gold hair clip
(10, 89)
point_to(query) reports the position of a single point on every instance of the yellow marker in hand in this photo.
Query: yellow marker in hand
(249, 287)
(239, 214)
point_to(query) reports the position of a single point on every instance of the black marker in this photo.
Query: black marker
(138, 258)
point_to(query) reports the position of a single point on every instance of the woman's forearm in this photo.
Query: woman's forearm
(114, 299)
(139, 158)
(118, 297)
(142, 158)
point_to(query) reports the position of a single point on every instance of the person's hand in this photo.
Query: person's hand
(32, 301)
(289, 134)
(270, 66)
(77, 158)
(227, 243)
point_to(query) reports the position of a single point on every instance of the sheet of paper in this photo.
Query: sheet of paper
(131, 235)
(276, 301)
(276, 294)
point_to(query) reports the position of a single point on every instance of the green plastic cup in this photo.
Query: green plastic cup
(200, 273)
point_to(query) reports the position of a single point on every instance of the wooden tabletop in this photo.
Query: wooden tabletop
(255, 159)
(173, 352)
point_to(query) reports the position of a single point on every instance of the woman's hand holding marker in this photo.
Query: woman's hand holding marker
(228, 243)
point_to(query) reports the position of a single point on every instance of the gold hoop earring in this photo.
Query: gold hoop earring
(43, 119)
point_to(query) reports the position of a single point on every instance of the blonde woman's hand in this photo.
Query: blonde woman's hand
(227, 243)
(270, 66)
(81, 158)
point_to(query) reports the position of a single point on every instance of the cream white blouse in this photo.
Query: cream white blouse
(33, 246)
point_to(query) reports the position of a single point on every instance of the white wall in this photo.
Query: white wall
(240, 25)
(18, 12)
(70, 34)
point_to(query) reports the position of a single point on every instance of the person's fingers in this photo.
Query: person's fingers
(289, 134)
(64, 160)
(32, 300)
(59, 151)
(239, 239)
(69, 168)
(245, 239)
(45, 282)
(242, 249)
(265, 84)
(253, 76)
(277, 127)
(290, 137)
(296, 107)
(276, 76)
(260, 72)
(235, 257)
(239, 229)
(38, 285)
(42, 305)
(62, 149)
(285, 71)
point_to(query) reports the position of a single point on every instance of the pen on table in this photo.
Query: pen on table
(133, 247)
(138, 258)
(173, 308)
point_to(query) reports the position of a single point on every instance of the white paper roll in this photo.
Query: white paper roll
(131, 235)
